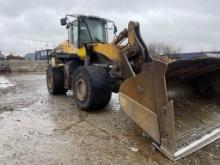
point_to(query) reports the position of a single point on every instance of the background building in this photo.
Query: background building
(2, 56)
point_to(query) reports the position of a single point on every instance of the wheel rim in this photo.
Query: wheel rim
(49, 81)
(81, 89)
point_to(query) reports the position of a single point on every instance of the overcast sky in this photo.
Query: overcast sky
(190, 25)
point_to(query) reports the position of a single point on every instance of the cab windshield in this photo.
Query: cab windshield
(92, 30)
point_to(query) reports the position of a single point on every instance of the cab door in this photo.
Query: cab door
(74, 34)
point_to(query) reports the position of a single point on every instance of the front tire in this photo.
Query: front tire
(55, 81)
(91, 87)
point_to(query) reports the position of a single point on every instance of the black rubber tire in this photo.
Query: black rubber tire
(98, 87)
(73, 65)
(55, 81)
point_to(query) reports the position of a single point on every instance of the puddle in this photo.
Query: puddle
(5, 83)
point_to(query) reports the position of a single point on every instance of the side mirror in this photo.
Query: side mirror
(67, 26)
(115, 29)
(63, 21)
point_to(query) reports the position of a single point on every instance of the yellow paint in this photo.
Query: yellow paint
(109, 50)
(66, 47)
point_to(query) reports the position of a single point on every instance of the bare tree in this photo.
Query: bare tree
(156, 49)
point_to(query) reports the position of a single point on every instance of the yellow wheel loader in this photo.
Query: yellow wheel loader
(176, 103)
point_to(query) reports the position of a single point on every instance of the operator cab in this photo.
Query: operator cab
(87, 29)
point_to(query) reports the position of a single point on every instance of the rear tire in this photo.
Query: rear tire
(91, 87)
(55, 81)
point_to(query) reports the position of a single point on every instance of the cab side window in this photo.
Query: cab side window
(84, 34)
(74, 33)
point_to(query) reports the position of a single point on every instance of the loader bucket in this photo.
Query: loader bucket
(177, 104)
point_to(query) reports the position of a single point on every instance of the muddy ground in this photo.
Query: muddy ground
(36, 128)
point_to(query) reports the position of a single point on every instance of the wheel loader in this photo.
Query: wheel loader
(176, 103)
